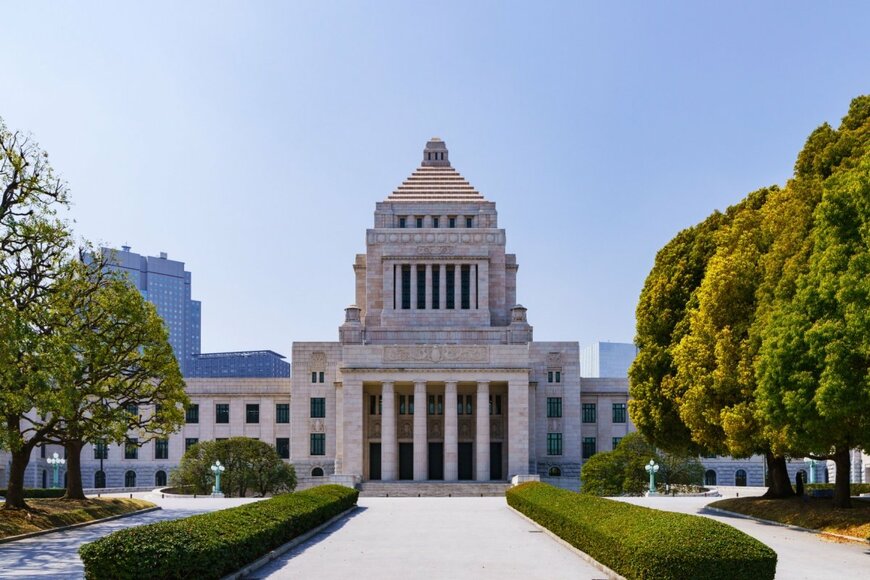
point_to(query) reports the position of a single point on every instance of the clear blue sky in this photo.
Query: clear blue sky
(252, 140)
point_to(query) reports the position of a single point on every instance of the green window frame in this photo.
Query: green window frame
(282, 446)
(282, 412)
(619, 412)
(589, 447)
(615, 442)
(554, 407)
(131, 448)
(318, 407)
(252, 413)
(318, 444)
(222, 413)
(191, 414)
(590, 414)
(554, 444)
(161, 449)
(190, 442)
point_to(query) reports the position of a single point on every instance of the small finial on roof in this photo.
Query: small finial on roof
(435, 154)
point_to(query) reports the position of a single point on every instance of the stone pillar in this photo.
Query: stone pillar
(442, 286)
(472, 286)
(451, 433)
(428, 286)
(421, 441)
(481, 438)
(352, 427)
(414, 305)
(389, 447)
(518, 427)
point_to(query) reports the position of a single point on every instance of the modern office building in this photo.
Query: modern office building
(249, 363)
(166, 284)
(606, 359)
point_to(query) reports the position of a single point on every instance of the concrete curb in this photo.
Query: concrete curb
(781, 524)
(78, 525)
(280, 550)
(610, 573)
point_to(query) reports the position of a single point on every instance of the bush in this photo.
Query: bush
(35, 493)
(215, 544)
(857, 488)
(638, 542)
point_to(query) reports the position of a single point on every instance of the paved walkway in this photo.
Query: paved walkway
(800, 554)
(433, 537)
(55, 555)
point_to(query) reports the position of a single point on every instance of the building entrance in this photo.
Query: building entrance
(374, 461)
(495, 461)
(406, 461)
(436, 461)
(466, 471)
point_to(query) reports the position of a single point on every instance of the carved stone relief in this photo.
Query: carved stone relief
(317, 425)
(554, 359)
(436, 353)
(375, 429)
(317, 362)
(406, 429)
(435, 250)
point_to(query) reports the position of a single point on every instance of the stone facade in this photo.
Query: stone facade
(435, 375)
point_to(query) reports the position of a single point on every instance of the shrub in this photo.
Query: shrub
(638, 542)
(39, 493)
(857, 488)
(215, 544)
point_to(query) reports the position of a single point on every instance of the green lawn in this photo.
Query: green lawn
(45, 514)
(814, 513)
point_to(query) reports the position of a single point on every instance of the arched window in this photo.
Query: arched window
(44, 479)
(100, 479)
(740, 477)
(317, 472)
(160, 478)
(130, 479)
(709, 477)
(555, 472)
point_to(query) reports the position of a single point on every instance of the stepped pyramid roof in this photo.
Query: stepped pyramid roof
(435, 179)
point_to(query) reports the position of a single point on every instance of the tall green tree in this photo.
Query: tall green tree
(120, 359)
(34, 245)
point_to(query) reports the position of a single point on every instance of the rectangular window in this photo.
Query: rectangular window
(318, 407)
(460, 407)
(431, 410)
(133, 409)
(435, 221)
(401, 222)
(222, 413)
(252, 413)
(191, 414)
(469, 222)
(554, 444)
(401, 404)
(465, 281)
(161, 449)
(421, 287)
(410, 404)
(282, 412)
(588, 447)
(554, 407)
(101, 450)
(131, 448)
(451, 287)
(469, 407)
(190, 442)
(440, 407)
(558, 376)
(282, 446)
(318, 444)
(615, 442)
(419, 222)
(314, 376)
(373, 404)
(619, 412)
(321, 376)
(549, 376)
(406, 287)
(436, 287)
(451, 222)
(589, 415)
(498, 404)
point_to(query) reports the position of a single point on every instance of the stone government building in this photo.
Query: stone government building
(435, 375)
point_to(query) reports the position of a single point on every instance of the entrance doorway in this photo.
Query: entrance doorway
(406, 461)
(374, 461)
(495, 461)
(465, 461)
(436, 461)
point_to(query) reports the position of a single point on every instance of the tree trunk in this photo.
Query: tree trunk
(780, 484)
(74, 488)
(15, 491)
(842, 489)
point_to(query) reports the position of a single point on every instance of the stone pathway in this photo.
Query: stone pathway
(433, 537)
(55, 555)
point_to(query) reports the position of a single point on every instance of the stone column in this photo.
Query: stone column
(442, 286)
(451, 433)
(389, 447)
(414, 304)
(428, 286)
(472, 286)
(481, 438)
(352, 435)
(518, 427)
(421, 441)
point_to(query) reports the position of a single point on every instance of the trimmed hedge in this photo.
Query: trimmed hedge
(639, 542)
(857, 488)
(215, 544)
(41, 493)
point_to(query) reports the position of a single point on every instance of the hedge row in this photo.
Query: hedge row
(857, 488)
(39, 492)
(638, 542)
(215, 544)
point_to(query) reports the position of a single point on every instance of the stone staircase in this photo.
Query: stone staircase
(433, 488)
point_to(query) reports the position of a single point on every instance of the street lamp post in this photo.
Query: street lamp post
(217, 469)
(55, 461)
(652, 468)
